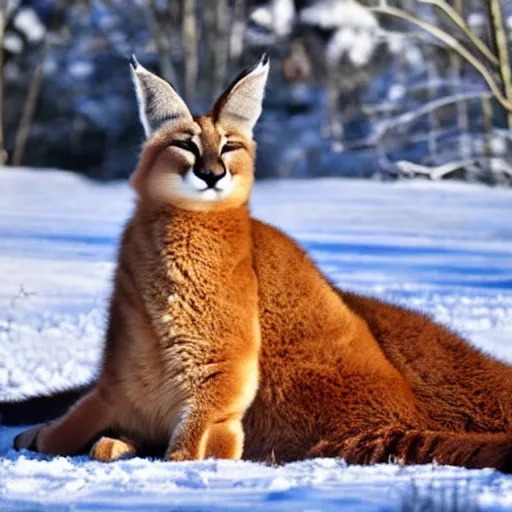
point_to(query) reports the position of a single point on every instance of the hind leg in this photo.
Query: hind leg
(70, 433)
(414, 446)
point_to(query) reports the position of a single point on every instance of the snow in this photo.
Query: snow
(476, 20)
(445, 248)
(13, 43)
(277, 15)
(27, 22)
(356, 33)
(336, 13)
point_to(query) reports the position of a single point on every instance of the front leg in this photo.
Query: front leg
(189, 437)
(225, 440)
(211, 425)
(197, 437)
(70, 433)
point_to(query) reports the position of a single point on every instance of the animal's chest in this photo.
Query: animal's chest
(186, 304)
(166, 367)
(181, 308)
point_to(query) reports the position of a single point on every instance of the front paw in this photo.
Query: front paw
(28, 440)
(107, 449)
(180, 456)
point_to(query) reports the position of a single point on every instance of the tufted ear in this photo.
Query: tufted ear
(239, 106)
(159, 103)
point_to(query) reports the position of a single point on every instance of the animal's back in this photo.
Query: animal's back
(322, 371)
(460, 387)
(336, 367)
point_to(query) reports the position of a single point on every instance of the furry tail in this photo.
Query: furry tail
(40, 409)
(420, 447)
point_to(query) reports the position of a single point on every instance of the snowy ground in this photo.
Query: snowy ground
(443, 248)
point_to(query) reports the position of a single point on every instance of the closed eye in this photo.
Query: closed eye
(187, 145)
(231, 146)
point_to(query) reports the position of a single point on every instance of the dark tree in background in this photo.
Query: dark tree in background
(388, 88)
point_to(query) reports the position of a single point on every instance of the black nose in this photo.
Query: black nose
(209, 177)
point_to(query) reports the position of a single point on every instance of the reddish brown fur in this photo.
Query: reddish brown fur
(412, 384)
(108, 449)
(340, 374)
(179, 338)
(180, 365)
(413, 391)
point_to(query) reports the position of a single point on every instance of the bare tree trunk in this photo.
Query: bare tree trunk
(221, 55)
(236, 44)
(488, 125)
(3, 155)
(500, 37)
(210, 34)
(175, 8)
(216, 17)
(162, 42)
(189, 40)
(174, 11)
(30, 107)
(462, 106)
(431, 91)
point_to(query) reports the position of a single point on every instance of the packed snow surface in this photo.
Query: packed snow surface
(443, 248)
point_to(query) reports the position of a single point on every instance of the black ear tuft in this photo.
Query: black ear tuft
(239, 106)
(134, 63)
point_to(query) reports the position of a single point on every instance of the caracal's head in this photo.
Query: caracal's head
(198, 162)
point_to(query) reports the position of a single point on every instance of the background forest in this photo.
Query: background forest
(377, 88)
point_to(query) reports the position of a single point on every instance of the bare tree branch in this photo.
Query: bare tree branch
(455, 46)
(461, 23)
(434, 173)
(189, 40)
(500, 165)
(409, 117)
(503, 54)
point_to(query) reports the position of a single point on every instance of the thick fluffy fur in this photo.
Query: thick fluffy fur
(339, 374)
(182, 347)
(345, 375)
(180, 364)
(181, 357)
(349, 376)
